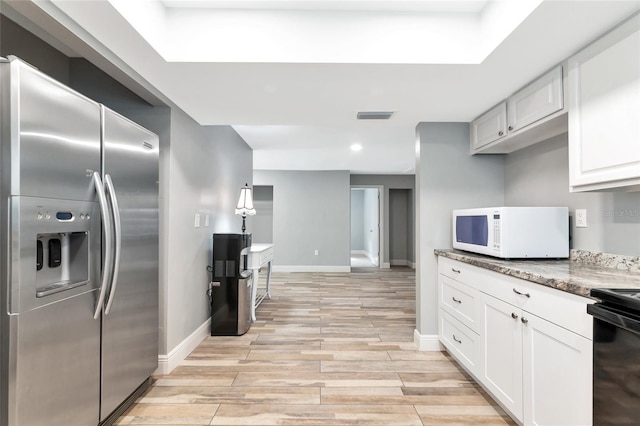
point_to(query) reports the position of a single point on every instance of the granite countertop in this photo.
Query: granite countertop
(578, 275)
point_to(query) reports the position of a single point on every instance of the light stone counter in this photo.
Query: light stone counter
(578, 275)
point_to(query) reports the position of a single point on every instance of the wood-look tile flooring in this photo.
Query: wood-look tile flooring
(327, 349)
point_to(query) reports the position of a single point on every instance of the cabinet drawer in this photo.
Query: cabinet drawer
(556, 306)
(459, 300)
(460, 341)
(461, 272)
(266, 256)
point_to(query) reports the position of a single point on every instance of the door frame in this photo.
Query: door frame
(381, 222)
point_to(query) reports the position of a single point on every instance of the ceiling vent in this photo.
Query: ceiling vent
(374, 115)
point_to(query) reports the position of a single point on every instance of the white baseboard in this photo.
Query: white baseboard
(166, 363)
(403, 262)
(358, 252)
(311, 268)
(385, 265)
(427, 342)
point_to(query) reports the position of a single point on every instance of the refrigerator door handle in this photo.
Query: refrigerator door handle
(118, 240)
(106, 223)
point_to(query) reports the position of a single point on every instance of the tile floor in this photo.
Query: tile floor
(327, 349)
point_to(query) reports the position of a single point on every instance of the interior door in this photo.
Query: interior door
(130, 327)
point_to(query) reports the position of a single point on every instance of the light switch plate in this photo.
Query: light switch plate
(197, 221)
(206, 220)
(581, 218)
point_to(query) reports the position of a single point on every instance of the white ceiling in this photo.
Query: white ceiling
(291, 75)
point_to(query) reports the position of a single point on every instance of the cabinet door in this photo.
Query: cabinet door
(539, 99)
(604, 106)
(501, 370)
(489, 127)
(557, 374)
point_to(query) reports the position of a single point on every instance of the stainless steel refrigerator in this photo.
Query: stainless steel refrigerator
(78, 253)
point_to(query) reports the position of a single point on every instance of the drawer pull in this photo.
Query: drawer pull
(521, 294)
(514, 315)
(456, 300)
(524, 320)
(457, 271)
(454, 338)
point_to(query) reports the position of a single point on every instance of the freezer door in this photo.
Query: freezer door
(130, 328)
(54, 134)
(57, 364)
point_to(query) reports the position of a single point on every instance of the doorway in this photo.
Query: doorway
(365, 227)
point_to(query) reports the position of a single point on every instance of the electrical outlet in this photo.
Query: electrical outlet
(581, 218)
(196, 222)
(315, 253)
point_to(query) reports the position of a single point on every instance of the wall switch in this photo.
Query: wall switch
(196, 222)
(316, 253)
(581, 218)
(206, 220)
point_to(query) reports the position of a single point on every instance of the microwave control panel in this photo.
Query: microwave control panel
(496, 231)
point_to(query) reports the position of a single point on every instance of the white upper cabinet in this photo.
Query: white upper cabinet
(489, 127)
(604, 112)
(541, 98)
(534, 113)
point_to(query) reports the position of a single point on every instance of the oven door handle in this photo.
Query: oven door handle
(614, 316)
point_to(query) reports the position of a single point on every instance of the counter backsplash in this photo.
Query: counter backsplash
(607, 260)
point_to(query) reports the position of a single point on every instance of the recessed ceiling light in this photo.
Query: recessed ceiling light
(356, 147)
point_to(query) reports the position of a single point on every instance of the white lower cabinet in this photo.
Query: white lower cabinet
(502, 353)
(530, 348)
(557, 365)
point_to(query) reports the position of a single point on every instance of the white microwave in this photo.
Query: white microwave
(513, 232)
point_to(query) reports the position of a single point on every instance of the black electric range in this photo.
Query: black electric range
(616, 356)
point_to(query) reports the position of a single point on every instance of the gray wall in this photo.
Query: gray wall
(14, 40)
(401, 241)
(201, 171)
(388, 182)
(447, 178)
(261, 225)
(357, 222)
(539, 176)
(310, 212)
(208, 166)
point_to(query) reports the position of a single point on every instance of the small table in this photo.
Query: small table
(259, 255)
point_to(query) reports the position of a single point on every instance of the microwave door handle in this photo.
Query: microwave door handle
(117, 226)
(106, 224)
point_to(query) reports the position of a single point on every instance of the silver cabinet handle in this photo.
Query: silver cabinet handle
(117, 226)
(456, 300)
(454, 338)
(457, 271)
(514, 315)
(108, 242)
(524, 320)
(500, 133)
(521, 294)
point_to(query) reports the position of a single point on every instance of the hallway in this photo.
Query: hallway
(328, 349)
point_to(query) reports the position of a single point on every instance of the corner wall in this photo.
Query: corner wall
(447, 178)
